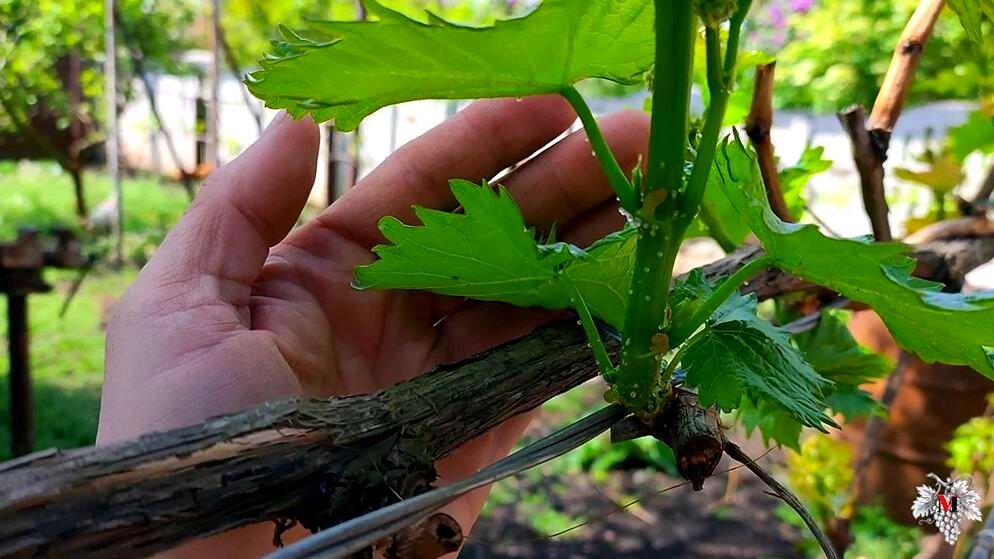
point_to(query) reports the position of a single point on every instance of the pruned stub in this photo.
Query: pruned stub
(695, 435)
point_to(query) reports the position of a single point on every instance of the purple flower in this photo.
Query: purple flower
(801, 5)
(777, 17)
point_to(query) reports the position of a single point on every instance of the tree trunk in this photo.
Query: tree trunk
(74, 155)
(82, 212)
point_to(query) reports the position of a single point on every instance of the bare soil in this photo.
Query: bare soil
(731, 518)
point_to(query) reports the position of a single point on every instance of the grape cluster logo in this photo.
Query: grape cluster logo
(946, 504)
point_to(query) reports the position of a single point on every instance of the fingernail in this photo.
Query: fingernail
(279, 119)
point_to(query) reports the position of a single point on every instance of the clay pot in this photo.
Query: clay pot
(931, 402)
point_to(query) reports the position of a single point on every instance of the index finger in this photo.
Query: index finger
(478, 143)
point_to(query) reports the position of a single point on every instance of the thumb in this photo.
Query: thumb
(243, 209)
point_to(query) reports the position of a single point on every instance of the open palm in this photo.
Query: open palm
(235, 309)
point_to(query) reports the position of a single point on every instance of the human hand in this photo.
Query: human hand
(236, 309)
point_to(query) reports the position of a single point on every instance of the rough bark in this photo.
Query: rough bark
(313, 461)
(693, 432)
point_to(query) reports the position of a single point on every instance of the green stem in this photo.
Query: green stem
(712, 46)
(671, 367)
(589, 327)
(734, 38)
(708, 146)
(675, 38)
(681, 332)
(720, 90)
(615, 174)
(716, 229)
(940, 204)
(658, 243)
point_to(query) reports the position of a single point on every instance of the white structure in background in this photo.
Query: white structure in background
(144, 148)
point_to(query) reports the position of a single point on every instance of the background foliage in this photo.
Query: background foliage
(826, 65)
(38, 36)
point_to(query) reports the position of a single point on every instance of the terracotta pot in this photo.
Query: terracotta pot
(931, 402)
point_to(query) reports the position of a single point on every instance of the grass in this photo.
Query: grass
(67, 353)
(41, 195)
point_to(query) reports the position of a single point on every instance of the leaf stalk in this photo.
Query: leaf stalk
(675, 360)
(615, 174)
(589, 328)
(720, 84)
(713, 122)
(681, 332)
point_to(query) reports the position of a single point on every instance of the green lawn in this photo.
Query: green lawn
(67, 353)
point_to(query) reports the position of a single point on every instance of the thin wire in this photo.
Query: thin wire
(347, 538)
(617, 509)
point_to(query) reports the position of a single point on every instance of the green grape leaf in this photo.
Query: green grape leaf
(738, 354)
(348, 70)
(976, 134)
(852, 403)
(718, 217)
(945, 327)
(688, 295)
(943, 175)
(795, 178)
(832, 351)
(972, 14)
(604, 277)
(776, 425)
(773, 424)
(488, 253)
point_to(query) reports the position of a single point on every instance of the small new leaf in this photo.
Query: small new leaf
(773, 424)
(946, 327)
(738, 354)
(488, 253)
(832, 351)
(348, 70)
(603, 278)
(852, 403)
